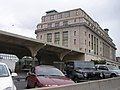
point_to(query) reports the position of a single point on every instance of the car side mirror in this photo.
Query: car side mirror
(30, 73)
(14, 74)
(33, 74)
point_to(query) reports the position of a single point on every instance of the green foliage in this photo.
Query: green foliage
(99, 61)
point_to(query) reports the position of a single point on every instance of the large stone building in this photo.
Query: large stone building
(76, 30)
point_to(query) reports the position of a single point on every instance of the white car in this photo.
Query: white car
(6, 82)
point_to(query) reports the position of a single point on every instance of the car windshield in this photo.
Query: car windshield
(3, 71)
(85, 65)
(113, 67)
(48, 71)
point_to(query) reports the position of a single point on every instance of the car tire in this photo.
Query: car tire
(35, 86)
(85, 76)
(75, 79)
(27, 87)
(102, 76)
(113, 75)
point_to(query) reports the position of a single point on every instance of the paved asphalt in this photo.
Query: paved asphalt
(20, 81)
(20, 85)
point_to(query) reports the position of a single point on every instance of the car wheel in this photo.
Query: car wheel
(36, 86)
(27, 87)
(113, 75)
(28, 84)
(102, 76)
(75, 79)
(85, 76)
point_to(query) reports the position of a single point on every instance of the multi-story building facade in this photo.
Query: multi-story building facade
(76, 30)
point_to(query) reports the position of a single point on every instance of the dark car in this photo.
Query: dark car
(77, 70)
(46, 76)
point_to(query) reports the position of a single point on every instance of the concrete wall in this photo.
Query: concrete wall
(105, 84)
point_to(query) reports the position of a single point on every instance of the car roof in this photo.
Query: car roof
(48, 66)
(103, 65)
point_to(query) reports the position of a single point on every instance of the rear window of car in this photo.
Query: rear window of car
(102, 68)
(47, 71)
(68, 64)
(84, 64)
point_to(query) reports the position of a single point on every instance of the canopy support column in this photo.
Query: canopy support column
(34, 51)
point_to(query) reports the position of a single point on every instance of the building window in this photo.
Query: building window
(59, 16)
(65, 23)
(65, 38)
(40, 36)
(85, 42)
(57, 38)
(52, 17)
(89, 35)
(77, 13)
(57, 24)
(89, 43)
(49, 25)
(75, 20)
(89, 51)
(85, 33)
(74, 33)
(67, 14)
(94, 45)
(74, 41)
(97, 46)
(49, 37)
(85, 50)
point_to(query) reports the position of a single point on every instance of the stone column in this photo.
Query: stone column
(34, 50)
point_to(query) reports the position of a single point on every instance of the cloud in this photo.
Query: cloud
(26, 14)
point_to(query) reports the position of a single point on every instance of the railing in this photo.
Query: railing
(104, 84)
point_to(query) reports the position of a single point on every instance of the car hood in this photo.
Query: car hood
(6, 82)
(118, 71)
(54, 80)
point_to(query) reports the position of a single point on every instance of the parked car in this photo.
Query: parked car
(46, 76)
(6, 82)
(108, 70)
(77, 70)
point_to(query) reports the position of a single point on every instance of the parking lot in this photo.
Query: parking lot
(88, 73)
(21, 83)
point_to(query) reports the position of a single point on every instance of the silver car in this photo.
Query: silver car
(108, 70)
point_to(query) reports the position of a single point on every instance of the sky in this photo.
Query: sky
(22, 16)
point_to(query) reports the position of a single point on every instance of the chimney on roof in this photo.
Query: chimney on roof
(106, 30)
(51, 12)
